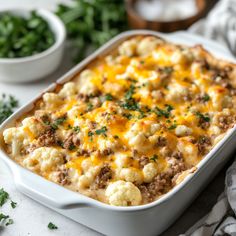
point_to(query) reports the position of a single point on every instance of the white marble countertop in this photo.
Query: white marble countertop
(31, 218)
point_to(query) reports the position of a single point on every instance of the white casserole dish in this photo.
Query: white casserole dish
(150, 219)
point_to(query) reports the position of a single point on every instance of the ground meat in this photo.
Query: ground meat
(226, 122)
(47, 139)
(157, 187)
(177, 154)
(161, 141)
(105, 152)
(71, 142)
(63, 177)
(104, 175)
(143, 160)
(84, 152)
(203, 144)
(83, 97)
(163, 182)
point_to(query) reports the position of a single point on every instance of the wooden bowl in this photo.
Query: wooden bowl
(137, 22)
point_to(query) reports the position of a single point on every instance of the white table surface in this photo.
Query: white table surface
(31, 218)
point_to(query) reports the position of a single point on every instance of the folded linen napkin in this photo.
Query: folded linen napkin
(220, 25)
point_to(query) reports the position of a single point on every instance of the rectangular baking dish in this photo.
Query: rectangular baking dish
(150, 219)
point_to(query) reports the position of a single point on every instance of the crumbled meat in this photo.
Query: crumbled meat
(203, 144)
(143, 160)
(177, 154)
(83, 97)
(226, 122)
(84, 152)
(105, 152)
(71, 142)
(47, 139)
(161, 141)
(104, 175)
(63, 177)
(162, 182)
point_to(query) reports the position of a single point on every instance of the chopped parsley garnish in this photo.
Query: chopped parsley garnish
(206, 98)
(57, 122)
(5, 219)
(115, 136)
(128, 116)
(90, 107)
(7, 106)
(3, 197)
(71, 147)
(130, 92)
(52, 226)
(13, 204)
(103, 130)
(168, 69)
(107, 97)
(76, 129)
(172, 127)
(131, 105)
(203, 117)
(90, 133)
(163, 112)
(154, 158)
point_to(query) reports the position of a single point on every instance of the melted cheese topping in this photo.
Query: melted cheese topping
(149, 100)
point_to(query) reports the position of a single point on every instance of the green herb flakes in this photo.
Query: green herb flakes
(52, 226)
(3, 196)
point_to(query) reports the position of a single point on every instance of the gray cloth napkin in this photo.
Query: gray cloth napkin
(220, 25)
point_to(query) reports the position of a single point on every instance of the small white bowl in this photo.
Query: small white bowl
(31, 68)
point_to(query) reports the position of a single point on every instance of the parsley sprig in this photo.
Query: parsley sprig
(7, 106)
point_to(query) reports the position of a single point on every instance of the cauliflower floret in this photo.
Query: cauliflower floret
(128, 48)
(183, 130)
(105, 144)
(140, 142)
(149, 172)
(88, 177)
(44, 159)
(69, 89)
(181, 57)
(177, 92)
(121, 193)
(85, 84)
(35, 127)
(15, 137)
(52, 100)
(121, 160)
(147, 45)
(75, 111)
(130, 175)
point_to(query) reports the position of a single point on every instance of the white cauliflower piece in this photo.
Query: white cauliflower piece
(44, 159)
(177, 92)
(121, 160)
(149, 172)
(104, 144)
(15, 137)
(121, 193)
(181, 57)
(69, 89)
(88, 177)
(130, 175)
(183, 130)
(35, 127)
(148, 45)
(128, 48)
(52, 100)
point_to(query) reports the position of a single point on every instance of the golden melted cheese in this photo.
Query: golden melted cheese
(149, 99)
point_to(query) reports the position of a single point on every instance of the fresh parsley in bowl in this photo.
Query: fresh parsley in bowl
(31, 44)
(24, 36)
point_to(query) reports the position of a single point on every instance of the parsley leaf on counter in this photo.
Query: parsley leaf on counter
(13, 204)
(52, 226)
(3, 197)
(7, 106)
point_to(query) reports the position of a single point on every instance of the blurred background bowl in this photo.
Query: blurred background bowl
(31, 68)
(137, 22)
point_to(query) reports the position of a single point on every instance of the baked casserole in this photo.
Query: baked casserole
(132, 124)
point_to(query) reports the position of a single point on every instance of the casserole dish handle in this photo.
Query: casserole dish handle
(47, 192)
